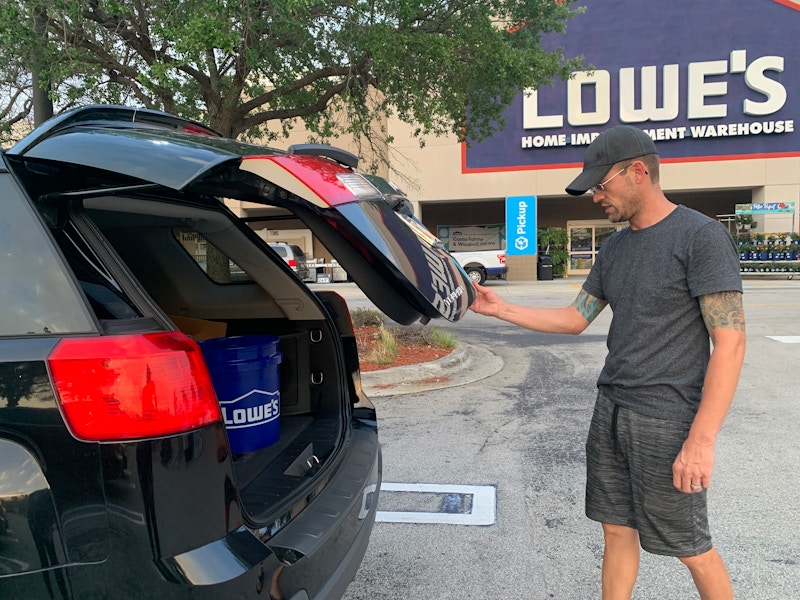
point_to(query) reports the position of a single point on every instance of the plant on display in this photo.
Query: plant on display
(553, 242)
(780, 247)
(255, 69)
(745, 221)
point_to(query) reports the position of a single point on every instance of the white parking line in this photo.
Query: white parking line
(482, 510)
(785, 339)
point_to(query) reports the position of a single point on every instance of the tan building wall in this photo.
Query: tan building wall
(436, 170)
(714, 187)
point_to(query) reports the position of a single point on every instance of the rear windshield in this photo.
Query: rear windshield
(280, 250)
(38, 296)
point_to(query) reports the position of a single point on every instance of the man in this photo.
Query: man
(672, 280)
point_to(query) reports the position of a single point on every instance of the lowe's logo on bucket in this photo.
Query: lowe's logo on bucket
(257, 413)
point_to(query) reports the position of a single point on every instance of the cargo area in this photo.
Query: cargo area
(250, 294)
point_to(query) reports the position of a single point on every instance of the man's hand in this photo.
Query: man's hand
(487, 302)
(691, 471)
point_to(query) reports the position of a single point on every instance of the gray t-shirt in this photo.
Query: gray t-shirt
(658, 344)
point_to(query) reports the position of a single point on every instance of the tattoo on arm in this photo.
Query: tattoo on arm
(588, 306)
(723, 310)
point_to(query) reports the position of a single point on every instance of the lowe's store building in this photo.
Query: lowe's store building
(716, 84)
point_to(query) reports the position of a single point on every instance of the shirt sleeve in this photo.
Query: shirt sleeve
(713, 262)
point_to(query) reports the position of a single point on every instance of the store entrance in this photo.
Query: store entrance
(585, 239)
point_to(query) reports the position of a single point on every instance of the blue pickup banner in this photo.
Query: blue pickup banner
(520, 225)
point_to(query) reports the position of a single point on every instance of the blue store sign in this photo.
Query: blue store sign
(711, 80)
(520, 225)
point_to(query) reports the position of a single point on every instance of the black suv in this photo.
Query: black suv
(122, 473)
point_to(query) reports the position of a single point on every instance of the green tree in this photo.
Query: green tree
(336, 64)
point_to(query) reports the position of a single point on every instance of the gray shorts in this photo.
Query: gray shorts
(629, 460)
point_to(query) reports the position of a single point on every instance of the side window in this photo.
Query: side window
(106, 297)
(216, 265)
(38, 296)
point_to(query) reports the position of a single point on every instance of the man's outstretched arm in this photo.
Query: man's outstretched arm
(571, 319)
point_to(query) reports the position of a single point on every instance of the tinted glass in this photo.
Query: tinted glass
(421, 265)
(218, 267)
(37, 296)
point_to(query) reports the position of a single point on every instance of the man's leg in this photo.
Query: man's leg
(710, 575)
(620, 561)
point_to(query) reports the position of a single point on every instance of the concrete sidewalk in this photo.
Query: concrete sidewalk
(465, 364)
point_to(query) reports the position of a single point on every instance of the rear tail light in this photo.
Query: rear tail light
(502, 258)
(132, 386)
(293, 263)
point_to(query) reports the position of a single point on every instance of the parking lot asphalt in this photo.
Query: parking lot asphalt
(520, 428)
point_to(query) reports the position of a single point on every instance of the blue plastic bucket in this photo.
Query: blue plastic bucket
(245, 373)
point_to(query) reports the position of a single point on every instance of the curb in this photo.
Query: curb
(466, 364)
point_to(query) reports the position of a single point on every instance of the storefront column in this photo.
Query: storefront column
(521, 268)
(780, 222)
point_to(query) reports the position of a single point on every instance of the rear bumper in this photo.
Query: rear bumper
(318, 553)
(351, 562)
(330, 537)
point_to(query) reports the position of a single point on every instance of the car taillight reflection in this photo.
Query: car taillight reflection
(199, 130)
(132, 386)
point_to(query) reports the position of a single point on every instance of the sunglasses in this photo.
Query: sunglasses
(601, 187)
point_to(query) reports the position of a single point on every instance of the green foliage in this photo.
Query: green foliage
(442, 339)
(386, 351)
(553, 241)
(366, 317)
(241, 65)
(390, 339)
(418, 335)
(743, 220)
(552, 237)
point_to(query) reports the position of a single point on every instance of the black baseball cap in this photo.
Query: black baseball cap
(610, 147)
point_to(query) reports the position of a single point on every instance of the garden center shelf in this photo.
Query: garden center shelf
(781, 268)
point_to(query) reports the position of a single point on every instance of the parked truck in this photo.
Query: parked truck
(484, 264)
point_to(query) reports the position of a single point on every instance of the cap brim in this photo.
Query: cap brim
(587, 179)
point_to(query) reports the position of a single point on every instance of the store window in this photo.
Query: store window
(585, 240)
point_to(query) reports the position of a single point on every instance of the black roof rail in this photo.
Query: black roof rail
(339, 155)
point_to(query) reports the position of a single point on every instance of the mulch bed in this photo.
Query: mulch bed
(413, 348)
